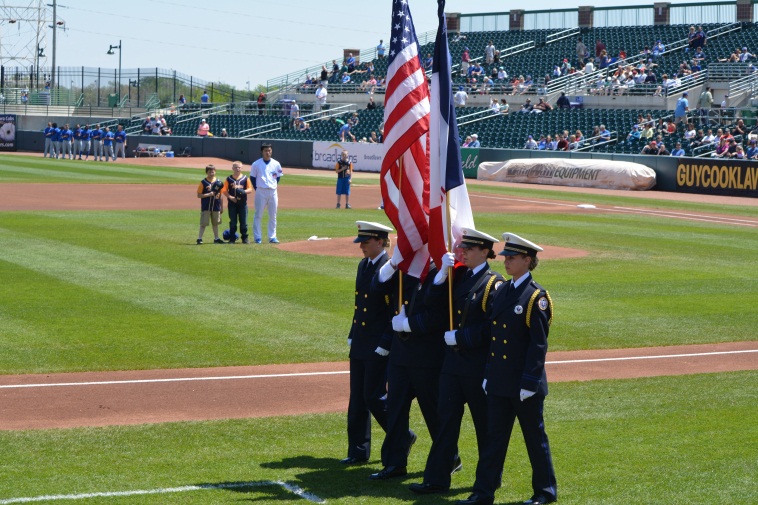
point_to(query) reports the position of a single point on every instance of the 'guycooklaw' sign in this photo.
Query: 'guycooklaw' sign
(717, 177)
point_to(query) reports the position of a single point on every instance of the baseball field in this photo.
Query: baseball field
(140, 368)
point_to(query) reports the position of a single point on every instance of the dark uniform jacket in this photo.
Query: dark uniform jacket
(427, 313)
(372, 317)
(520, 324)
(471, 298)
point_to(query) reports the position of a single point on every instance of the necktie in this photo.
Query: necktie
(469, 274)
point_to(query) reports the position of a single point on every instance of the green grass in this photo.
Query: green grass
(130, 290)
(679, 440)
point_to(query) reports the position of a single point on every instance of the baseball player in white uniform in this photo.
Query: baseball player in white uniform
(265, 174)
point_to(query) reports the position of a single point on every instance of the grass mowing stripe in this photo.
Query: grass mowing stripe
(170, 490)
(143, 284)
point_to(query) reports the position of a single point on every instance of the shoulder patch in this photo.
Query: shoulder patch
(498, 284)
(542, 303)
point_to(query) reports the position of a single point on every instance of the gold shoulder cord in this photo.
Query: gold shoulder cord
(387, 300)
(550, 300)
(487, 293)
(529, 309)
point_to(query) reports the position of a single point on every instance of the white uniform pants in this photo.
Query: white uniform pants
(120, 149)
(66, 149)
(49, 149)
(97, 148)
(265, 198)
(108, 150)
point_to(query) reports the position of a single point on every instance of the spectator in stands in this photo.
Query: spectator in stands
(655, 149)
(740, 128)
(581, 52)
(739, 154)
(542, 143)
(733, 58)
(527, 107)
(354, 120)
(261, 103)
(691, 39)
(684, 70)
(563, 144)
(475, 141)
(690, 134)
(605, 134)
(709, 138)
(589, 67)
(321, 94)
(335, 74)
(497, 57)
(579, 137)
(458, 37)
(428, 62)
(324, 77)
(526, 85)
(563, 101)
(704, 103)
(380, 50)
(467, 141)
(722, 150)
(203, 129)
(678, 151)
(573, 144)
(460, 97)
(487, 85)
(345, 133)
(301, 125)
(489, 53)
(504, 107)
(697, 60)
(345, 78)
(634, 135)
(294, 110)
(182, 101)
(371, 105)
(350, 62)
(556, 71)
(155, 126)
(475, 70)
(465, 62)
(551, 144)
(530, 143)
(205, 98)
(542, 106)
(682, 108)
(752, 150)
(745, 56)
(604, 61)
(502, 75)
(373, 139)
(147, 126)
(599, 48)
(658, 49)
(495, 106)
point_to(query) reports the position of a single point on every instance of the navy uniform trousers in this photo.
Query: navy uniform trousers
(415, 362)
(463, 372)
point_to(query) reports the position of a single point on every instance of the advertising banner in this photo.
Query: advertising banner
(717, 177)
(364, 157)
(7, 132)
(470, 161)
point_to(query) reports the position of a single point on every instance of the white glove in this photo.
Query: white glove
(448, 260)
(382, 352)
(386, 272)
(484, 386)
(440, 277)
(526, 394)
(349, 342)
(400, 322)
(450, 337)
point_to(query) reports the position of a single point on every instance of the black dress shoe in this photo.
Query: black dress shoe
(475, 499)
(353, 461)
(389, 472)
(424, 488)
(457, 465)
(539, 500)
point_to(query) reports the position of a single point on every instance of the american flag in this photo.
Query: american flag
(405, 166)
(447, 184)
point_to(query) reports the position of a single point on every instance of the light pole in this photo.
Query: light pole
(110, 51)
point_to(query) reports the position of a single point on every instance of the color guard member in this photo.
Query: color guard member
(515, 380)
(474, 285)
(368, 369)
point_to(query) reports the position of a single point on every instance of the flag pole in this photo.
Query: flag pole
(400, 279)
(449, 226)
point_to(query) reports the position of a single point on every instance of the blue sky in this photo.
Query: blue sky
(244, 40)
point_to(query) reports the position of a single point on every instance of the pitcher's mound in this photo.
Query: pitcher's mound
(344, 246)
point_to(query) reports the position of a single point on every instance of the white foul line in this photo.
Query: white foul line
(175, 379)
(200, 487)
(338, 372)
(662, 356)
